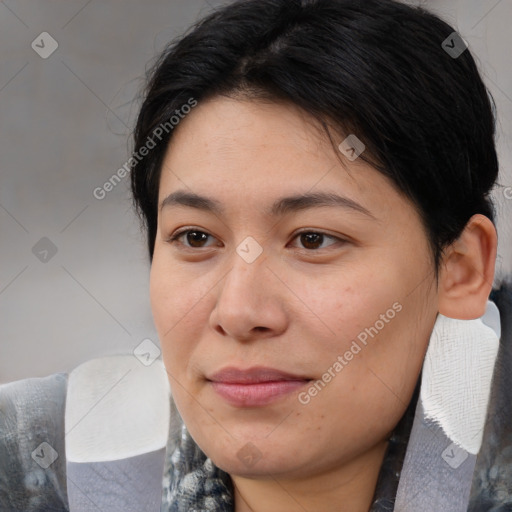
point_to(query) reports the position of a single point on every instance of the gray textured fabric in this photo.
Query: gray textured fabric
(128, 485)
(32, 413)
(436, 474)
(492, 481)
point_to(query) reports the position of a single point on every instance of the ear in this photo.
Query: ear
(467, 270)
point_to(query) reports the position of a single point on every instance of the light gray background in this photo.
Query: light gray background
(65, 123)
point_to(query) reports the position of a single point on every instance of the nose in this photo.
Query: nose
(250, 302)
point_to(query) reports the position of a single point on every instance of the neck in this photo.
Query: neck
(349, 487)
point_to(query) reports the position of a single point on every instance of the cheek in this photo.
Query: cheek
(175, 292)
(381, 335)
(358, 305)
(363, 388)
(175, 305)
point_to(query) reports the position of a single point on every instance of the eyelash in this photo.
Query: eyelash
(174, 238)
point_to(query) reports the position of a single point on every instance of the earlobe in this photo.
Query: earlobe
(467, 270)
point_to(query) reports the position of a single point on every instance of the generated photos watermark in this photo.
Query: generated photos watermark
(164, 128)
(356, 346)
(352, 147)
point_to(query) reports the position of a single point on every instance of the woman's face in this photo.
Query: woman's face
(340, 317)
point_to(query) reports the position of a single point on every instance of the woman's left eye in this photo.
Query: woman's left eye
(310, 240)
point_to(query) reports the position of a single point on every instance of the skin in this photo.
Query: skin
(299, 305)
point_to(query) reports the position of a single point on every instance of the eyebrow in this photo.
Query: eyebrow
(280, 207)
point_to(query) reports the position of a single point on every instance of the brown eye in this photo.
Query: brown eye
(194, 238)
(313, 240)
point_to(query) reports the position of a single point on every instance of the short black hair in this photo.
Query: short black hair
(374, 68)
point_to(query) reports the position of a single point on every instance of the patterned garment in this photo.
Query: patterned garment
(32, 412)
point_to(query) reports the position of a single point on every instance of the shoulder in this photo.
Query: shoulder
(116, 407)
(106, 410)
(493, 471)
(32, 469)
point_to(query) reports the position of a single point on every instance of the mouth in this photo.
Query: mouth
(257, 386)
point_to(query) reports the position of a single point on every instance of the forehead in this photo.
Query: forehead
(249, 151)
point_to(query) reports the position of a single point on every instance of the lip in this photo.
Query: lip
(255, 386)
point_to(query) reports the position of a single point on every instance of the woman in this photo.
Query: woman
(314, 179)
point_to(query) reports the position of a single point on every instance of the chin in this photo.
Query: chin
(259, 466)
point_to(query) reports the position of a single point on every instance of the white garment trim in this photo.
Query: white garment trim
(116, 407)
(457, 374)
